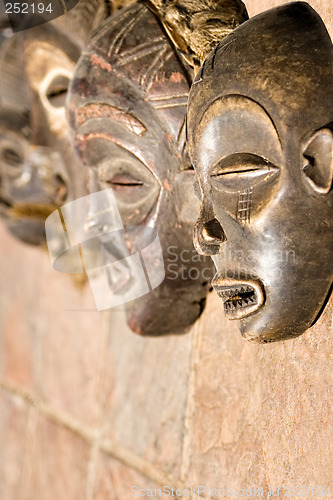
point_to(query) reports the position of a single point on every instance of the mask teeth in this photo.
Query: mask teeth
(237, 297)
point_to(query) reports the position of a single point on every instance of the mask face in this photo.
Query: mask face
(37, 163)
(261, 140)
(33, 180)
(127, 106)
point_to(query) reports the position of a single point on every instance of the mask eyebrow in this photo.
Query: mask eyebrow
(96, 110)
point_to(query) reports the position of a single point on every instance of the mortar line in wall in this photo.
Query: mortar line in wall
(190, 403)
(144, 468)
(91, 470)
(90, 436)
(94, 450)
(101, 391)
(29, 453)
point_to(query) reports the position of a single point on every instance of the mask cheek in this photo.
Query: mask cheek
(135, 204)
(245, 201)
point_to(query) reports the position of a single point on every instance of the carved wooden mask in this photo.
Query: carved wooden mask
(260, 128)
(38, 168)
(127, 107)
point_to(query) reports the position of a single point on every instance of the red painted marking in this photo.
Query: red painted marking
(177, 77)
(166, 185)
(98, 61)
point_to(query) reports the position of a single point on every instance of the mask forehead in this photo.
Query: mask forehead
(15, 92)
(44, 62)
(271, 59)
(123, 69)
(236, 124)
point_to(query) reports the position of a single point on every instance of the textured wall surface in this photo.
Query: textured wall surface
(88, 409)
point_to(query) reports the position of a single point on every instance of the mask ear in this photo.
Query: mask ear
(319, 155)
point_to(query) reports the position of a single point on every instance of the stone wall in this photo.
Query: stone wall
(88, 409)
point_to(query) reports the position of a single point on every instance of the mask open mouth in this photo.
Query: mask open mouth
(240, 298)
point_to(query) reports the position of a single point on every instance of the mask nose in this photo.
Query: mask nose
(208, 234)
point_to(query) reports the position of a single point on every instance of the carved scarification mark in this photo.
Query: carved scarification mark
(170, 105)
(200, 74)
(168, 97)
(160, 60)
(127, 28)
(214, 55)
(120, 18)
(221, 49)
(181, 139)
(151, 44)
(139, 52)
(244, 205)
(91, 111)
(168, 101)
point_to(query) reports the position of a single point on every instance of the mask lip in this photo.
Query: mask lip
(241, 297)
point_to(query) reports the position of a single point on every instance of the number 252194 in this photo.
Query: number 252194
(28, 8)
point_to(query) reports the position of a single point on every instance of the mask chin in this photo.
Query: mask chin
(289, 309)
(31, 232)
